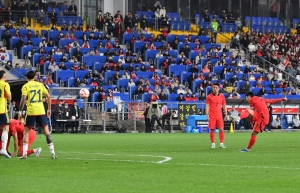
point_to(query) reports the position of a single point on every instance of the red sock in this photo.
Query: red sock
(29, 152)
(221, 136)
(212, 135)
(251, 142)
(244, 114)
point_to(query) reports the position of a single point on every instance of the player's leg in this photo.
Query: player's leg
(244, 115)
(4, 122)
(32, 137)
(257, 128)
(220, 126)
(42, 120)
(29, 122)
(212, 126)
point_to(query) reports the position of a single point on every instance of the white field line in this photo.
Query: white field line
(165, 158)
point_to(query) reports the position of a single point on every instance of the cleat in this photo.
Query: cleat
(213, 146)
(222, 146)
(235, 119)
(4, 153)
(38, 152)
(53, 156)
(23, 157)
(244, 150)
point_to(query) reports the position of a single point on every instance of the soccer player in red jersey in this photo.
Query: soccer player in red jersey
(214, 104)
(16, 130)
(259, 113)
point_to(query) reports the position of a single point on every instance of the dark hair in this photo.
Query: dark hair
(16, 116)
(2, 72)
(30, 74)
(216, 84)
(250, 94)
(174, 112)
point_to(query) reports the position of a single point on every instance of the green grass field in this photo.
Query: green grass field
(157, 163)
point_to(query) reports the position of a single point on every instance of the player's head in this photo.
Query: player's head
(16, 117)
(2, 75)
(216, 88)
(173, 113)
(30, 75)
(249, 95)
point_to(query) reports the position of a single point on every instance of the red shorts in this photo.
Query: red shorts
(216, 123)
(260, 122)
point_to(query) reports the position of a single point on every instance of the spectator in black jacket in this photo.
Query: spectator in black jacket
(73, 9)
(180, 98)
(143, 22)
(75, 114)
(162, 96)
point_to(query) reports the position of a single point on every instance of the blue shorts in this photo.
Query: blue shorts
(4, 120)
(31, 120)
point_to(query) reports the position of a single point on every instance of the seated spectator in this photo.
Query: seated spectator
(172, 90)
(116, 77)
(187, 97)
(262, 91)
(77, 83)
(188, 90)
(205, 69)
(75, 66)
(27, 64)
(202, 97)
(162, 96)
(180, 98)
(49, 80)
(110, 96)
(72, 9)
(166, 90)
(154, 97)
(273, 91)
(134, 75)
(116, 90)
(194, 97)
(259, 84)
(296, 122)
(62, 66)
(157, 89)
(276, 123)
(94, 82)
(130, 83)
(234, 94)
(140, 90)
(180, 89)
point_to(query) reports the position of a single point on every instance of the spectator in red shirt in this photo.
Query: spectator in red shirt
(154, 97)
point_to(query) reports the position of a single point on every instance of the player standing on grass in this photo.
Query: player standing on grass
(259, 113)
(33, 92)
(16, 130)
(5, 95)
(214, 104)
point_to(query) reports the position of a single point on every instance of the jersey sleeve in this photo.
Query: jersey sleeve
(24, 90)
(7, 90)
(44, 90)
(223, 100)
(12, 126)
(208, 100)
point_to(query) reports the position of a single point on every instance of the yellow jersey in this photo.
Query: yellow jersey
(34, 92)
(4, 92)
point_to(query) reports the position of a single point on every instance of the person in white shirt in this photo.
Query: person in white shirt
(296, 122)
(131, 83)
(126, 76)
(276, 123)
(163, 12)
(157, 14)
(121, 59)
(251, 47)
(180, 89)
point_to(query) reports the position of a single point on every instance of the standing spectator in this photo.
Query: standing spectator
(147, 120)
(53, 16)
(143, 22)
(238, 24)
(75, 113)
(268, 127)
(73, 9)
(58, 110)
(214, 25)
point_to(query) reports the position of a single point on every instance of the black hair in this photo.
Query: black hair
(16, 117)
(30, 74)
(2, 72)
(250, 94)
(216, 84)
(174, 112)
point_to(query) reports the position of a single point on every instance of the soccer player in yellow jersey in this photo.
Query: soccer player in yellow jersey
(5, 95)
(33, 92)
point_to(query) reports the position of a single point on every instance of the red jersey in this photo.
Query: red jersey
(260, 104)
(15, 126)
(215, 103)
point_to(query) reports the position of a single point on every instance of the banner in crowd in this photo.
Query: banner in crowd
(185, 110)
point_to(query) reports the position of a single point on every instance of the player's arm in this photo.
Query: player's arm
(7, 92)
(15, 136)
(207, 111)
(22, 103)
(272, 101)
(225, 108)
(49, 104)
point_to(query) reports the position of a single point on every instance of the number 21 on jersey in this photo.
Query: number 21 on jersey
(35, 96)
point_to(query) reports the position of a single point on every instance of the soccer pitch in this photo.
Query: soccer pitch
(157, 163)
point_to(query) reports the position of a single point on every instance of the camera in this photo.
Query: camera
(154, 110)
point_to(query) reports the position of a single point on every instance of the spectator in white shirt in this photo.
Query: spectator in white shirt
(163, 12)
(296, 122)
(131, 83)
(180, 89)
(276, 123)
(121, 59)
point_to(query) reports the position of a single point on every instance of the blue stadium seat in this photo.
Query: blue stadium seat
(101, 59)
(81, 73)
(63, 73)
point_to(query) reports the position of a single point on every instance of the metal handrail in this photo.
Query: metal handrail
(12, 69)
